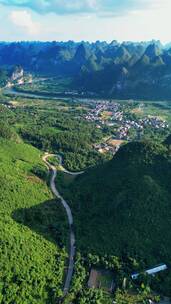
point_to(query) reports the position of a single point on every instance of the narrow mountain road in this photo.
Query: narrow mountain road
(66, 171)
(69, 216)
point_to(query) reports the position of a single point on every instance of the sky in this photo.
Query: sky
(90, 20)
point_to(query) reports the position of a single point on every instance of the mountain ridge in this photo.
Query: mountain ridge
(124, 201)
(126, 70)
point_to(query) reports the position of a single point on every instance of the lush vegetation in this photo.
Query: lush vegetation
(131, 189)
(125, 292)
(3, 77)
(118, 205)
(33, 229)
(57, 127)
(47, 87)
(127, 207)
(73, 139)
(127, 70)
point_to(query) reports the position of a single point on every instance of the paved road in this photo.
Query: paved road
(66, 171)
(69, 216)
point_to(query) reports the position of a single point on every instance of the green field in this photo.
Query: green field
(46, 85)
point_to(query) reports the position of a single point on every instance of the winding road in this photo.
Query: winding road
(69, 216)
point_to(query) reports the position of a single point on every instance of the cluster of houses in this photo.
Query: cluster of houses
(111, 146)
(140, 125)
(104, 148)
(154, 122)
(118, 118)
(94, 114)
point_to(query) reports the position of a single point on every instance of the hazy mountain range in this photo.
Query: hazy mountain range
(141, 70)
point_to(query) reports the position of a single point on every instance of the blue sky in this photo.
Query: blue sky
(92, 20)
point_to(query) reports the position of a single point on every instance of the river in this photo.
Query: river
(11, 91)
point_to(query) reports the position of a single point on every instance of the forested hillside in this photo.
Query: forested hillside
(32, 238)
(124, 207)
(122, 70)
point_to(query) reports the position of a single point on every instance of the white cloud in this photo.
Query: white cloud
(62, 7)
(23, 19)
(151, 21)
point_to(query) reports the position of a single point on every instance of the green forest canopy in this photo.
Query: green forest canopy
(32, 258)
(127, 203)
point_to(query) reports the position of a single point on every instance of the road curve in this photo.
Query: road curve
(66, 171)
(69, 216)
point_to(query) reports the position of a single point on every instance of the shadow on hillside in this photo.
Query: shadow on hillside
(47, 219)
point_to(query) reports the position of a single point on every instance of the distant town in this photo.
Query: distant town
(125, 123)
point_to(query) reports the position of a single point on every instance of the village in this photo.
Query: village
(125, 125)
